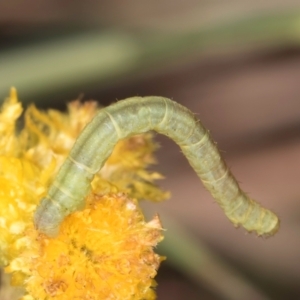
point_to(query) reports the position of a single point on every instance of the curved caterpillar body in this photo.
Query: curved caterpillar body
(136, 115)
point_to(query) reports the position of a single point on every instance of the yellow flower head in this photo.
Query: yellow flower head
(102, 252)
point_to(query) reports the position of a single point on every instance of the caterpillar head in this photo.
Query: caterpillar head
(47, 217)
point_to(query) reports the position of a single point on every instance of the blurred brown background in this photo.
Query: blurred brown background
(234, 63)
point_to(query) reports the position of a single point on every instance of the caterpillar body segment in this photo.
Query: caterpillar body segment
(61, 199)
(137, 115)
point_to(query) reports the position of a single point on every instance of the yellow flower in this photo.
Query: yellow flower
(102, 252)
(20, 191)
(10, 112)
(21, 183)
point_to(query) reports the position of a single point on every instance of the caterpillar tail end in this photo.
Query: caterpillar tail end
(275, 228)
(254, 218)
(261, 220)
(270, 226)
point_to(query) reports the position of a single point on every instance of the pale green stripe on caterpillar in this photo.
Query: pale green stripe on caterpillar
(136, 115)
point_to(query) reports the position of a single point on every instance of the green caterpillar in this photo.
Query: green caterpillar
(136, 115)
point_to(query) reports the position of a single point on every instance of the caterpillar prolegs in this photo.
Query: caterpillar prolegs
(136, 115)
